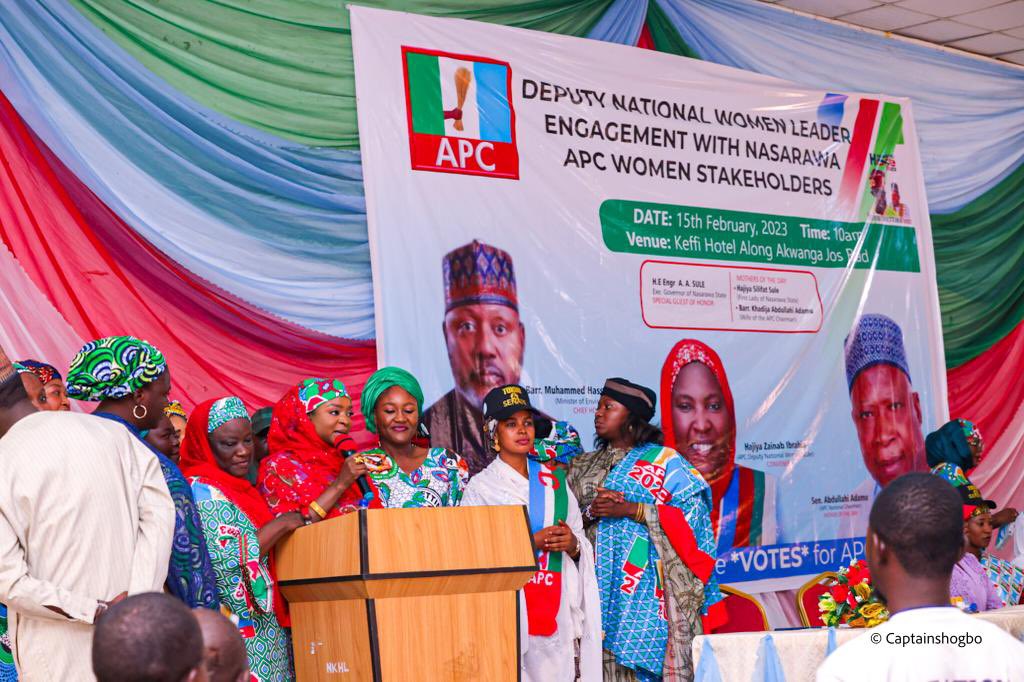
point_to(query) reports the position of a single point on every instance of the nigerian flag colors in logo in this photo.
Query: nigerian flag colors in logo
(460, 114)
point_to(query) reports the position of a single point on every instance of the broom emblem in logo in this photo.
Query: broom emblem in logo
(462, 80)
(469, 130)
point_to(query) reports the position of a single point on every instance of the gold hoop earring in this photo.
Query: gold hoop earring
(135, 411)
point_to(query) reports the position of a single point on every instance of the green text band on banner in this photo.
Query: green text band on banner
(692, 232)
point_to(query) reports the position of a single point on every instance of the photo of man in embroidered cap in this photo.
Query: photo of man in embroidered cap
(886, 409)
(485, 341)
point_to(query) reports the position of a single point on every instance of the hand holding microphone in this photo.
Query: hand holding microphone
(354, 469)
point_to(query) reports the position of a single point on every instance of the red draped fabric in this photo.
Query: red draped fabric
(645, 40)
(104, 279)
(988, 390)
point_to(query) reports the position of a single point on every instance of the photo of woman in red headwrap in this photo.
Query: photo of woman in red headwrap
(698, 417)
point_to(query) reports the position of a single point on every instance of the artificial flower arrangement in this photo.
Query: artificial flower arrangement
(851, 599)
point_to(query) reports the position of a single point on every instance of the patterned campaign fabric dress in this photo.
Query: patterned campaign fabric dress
(245, 583)
(656, 578)
(438, 482)
(7, 670)
(952, 473)
(1006, 576)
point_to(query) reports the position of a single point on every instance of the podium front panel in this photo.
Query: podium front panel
(450, 638)
(379, 553)
(457, 638)
(402, 595)
(331, 641)
(321, 552)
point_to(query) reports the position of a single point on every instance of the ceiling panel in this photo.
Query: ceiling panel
(990, 43)
(947, 8)
(1008, 15)
(887, 17)
(992, 28)
(828, 8)
(941, 31)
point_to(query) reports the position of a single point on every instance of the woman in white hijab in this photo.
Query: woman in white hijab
(561, 602)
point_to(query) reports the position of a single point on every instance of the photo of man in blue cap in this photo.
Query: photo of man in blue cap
(886, 409)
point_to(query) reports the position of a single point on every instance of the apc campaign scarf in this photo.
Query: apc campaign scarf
(549, 504)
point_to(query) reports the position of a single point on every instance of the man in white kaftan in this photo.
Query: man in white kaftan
(85, 516)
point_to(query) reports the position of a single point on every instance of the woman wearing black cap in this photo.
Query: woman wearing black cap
(954, 451)
(648, 514)
(562, 604)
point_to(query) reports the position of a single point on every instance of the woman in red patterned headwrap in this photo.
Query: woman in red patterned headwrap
(53, 384)
(699, 420)
(240, 532)
(307, 470)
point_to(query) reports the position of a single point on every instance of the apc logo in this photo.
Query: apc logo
(460, 114)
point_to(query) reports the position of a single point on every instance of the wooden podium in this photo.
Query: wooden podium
(408, 595)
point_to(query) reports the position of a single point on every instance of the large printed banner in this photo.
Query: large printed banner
(555, 211)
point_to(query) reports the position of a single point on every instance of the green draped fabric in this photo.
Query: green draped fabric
(979, 263)
(666, 38)
(286, 66)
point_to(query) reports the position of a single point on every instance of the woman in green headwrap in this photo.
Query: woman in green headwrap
(130, 380)
(407, 475)
(954, 451)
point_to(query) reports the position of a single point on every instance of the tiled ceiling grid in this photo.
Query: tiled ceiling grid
(994, 28)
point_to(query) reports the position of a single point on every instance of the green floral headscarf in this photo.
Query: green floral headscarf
(224, 410)
(316, 391)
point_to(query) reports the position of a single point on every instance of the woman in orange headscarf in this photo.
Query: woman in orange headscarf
(698, 418)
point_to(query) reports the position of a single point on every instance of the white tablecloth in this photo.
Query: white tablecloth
(802, 651)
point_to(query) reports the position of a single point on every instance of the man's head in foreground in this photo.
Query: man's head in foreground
(914, 538)
(223, 648)
(149, 637)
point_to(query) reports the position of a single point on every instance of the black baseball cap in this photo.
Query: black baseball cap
(504, 401)
(971, 496)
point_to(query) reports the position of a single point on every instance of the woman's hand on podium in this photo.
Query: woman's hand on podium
(292, 520)
(273, 531)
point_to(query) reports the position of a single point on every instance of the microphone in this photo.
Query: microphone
(364, 488)
(348, 448)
